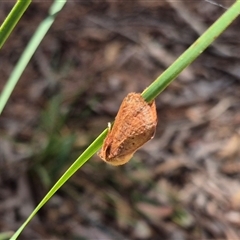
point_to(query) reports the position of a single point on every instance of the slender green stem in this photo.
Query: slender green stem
(12, 19)
(29, 51)
(192, 53)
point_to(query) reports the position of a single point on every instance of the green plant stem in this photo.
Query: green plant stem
(12, 19)
(191, 53)
(29, 51)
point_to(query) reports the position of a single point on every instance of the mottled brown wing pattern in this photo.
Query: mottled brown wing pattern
(134, 125)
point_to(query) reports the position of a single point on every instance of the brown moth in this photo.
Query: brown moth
(134, 125)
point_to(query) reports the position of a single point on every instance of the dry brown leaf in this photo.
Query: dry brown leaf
(153, 212)
(235, 200)
(169, 166)
(124, 213)
(231, 168)
(111, 52)
(231, 148)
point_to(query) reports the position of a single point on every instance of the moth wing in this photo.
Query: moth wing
(134, 125)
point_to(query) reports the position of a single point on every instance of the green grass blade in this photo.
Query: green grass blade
(12, 19)
(29, 51)
(192, 53)
(72, 169)
(149, 94)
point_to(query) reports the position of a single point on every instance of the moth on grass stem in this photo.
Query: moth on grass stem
(134, 125)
